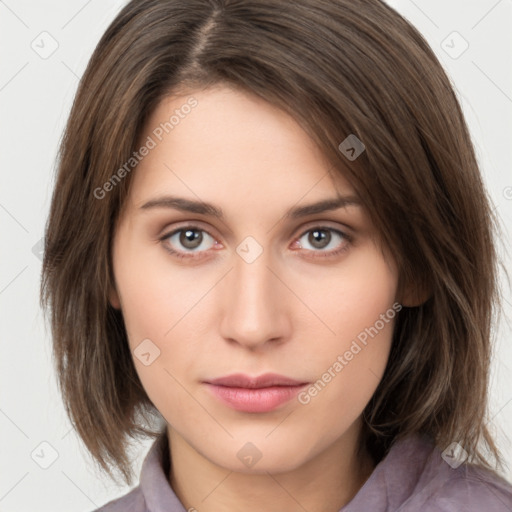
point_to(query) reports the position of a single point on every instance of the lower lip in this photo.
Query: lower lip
(255, 400)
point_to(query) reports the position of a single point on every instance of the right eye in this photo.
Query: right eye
(188, 241)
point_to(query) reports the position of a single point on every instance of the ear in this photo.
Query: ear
(414, 293)
(113, 297)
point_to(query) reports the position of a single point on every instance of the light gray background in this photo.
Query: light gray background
(35, 99)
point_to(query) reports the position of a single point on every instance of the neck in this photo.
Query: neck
(325, 483)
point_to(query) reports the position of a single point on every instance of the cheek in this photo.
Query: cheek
(155, 317)
(156, 296)
(346, 299)
(357, 309)
(160, 309)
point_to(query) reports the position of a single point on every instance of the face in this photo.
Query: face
(254, 284)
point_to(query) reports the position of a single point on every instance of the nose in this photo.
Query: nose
(256, 308)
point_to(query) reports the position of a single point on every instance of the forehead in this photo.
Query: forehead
(222, 144)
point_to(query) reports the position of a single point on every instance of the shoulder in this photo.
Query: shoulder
(131, 502)
(474, 489)
(417, 475)
(154, 491)
(468, 487)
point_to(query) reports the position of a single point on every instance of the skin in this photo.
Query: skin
(289, 311)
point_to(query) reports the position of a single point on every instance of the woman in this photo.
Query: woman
(270, 248)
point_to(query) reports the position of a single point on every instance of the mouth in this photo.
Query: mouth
(255, 394)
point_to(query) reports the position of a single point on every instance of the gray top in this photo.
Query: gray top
(412, 477)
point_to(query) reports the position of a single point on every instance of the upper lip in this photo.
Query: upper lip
(239, 380)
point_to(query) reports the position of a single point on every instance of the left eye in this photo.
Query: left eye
(322, 239)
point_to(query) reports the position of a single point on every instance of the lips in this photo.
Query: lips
(239, 380)
(254, 394)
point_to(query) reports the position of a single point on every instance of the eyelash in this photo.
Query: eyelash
(319, 253)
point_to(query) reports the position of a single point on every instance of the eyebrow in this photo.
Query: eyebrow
(203, 208)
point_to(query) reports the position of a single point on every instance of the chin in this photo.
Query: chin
(256, 457)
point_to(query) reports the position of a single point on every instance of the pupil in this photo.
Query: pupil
(319, 238)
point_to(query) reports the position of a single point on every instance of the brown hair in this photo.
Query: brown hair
(338, 67)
